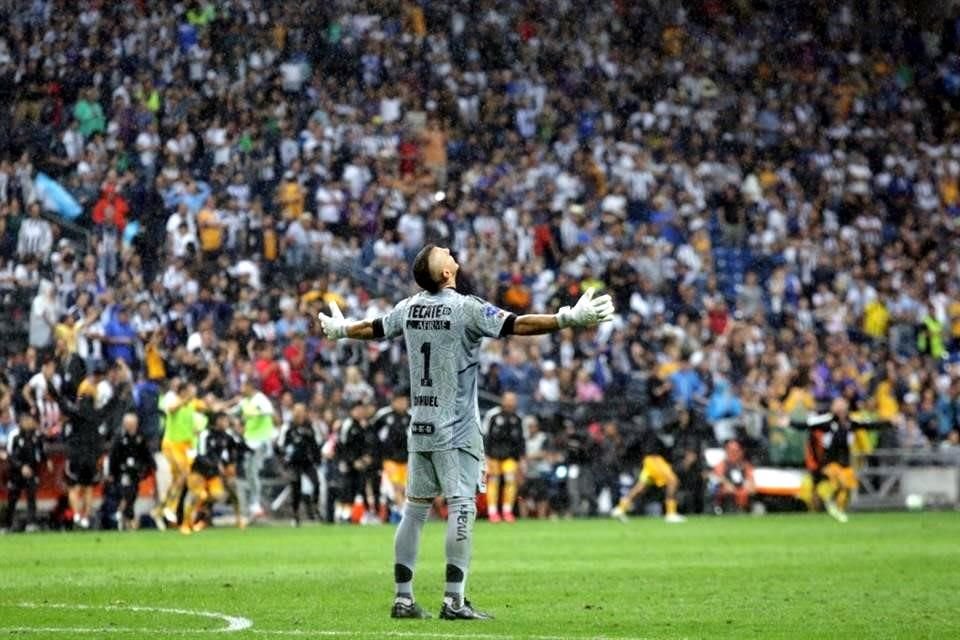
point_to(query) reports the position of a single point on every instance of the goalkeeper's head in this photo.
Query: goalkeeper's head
(435, 268)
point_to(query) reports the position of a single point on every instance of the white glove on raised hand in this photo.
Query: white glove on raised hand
(335, 325)
(588, 312)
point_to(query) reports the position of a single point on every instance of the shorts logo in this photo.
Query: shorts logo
(422, 429)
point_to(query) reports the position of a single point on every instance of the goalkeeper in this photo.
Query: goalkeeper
(443, 329)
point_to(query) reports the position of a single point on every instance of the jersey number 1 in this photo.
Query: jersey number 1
(426, 380)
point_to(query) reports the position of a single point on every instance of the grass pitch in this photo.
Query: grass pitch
(801, 576)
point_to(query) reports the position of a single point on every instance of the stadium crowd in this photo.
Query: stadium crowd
(771, 195)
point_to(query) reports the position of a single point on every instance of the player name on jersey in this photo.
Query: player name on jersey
(425, 401)
(428, 317)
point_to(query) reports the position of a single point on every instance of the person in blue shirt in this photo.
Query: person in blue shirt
(687, 385)
(723, 403)
(120, 337)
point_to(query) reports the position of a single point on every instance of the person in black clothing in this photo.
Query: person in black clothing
(71, 368)
(690, 436)
(391, 425)
(84, 439)
(352, 459)
(129, 463)
(300, 452)
(25, 455)
(579, 450)
(505, 446)
(373, 473)
(217, 455)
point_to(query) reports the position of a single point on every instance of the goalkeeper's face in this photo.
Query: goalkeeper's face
(444, 267)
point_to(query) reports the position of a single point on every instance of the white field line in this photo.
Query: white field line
(420, 634)
(320, 633)
(240, 624)
(234, 623)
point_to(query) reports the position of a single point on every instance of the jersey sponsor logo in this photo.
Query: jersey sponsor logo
(429, 325)
(422, 429)
(429, 312)
(426, 401)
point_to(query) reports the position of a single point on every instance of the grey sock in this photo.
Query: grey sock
(406, 544)
(460, 517)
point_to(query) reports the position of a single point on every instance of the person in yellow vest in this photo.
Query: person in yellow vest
(930, 337)
(156, 368)
(876, 319)
(414, 20)
(180, 407)
(210, 229)
(269, 243)
(201, 15)
(259, 430)
(291, 197)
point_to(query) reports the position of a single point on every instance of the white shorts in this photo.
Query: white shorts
(453, 473)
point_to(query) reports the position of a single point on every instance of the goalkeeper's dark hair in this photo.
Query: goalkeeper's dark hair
(421, 270)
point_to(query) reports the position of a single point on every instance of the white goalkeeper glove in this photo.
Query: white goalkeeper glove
(588, 312)
(335, 325)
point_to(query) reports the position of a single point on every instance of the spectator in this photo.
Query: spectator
(35, 236)
(43, 316)
(733, 478)
(120, 337)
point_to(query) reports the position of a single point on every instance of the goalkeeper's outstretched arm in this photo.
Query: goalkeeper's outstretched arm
(588, 312)
(335, 326)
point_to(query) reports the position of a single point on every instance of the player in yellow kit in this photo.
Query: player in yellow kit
(180, 407)
(654, 471)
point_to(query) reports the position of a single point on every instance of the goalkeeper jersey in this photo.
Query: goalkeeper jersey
(443, 332)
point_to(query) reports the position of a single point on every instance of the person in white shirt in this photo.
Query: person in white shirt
(148, 145)
(36, 235)
(330, 199)
(73, 142)
(39, 386)
(182, 240)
